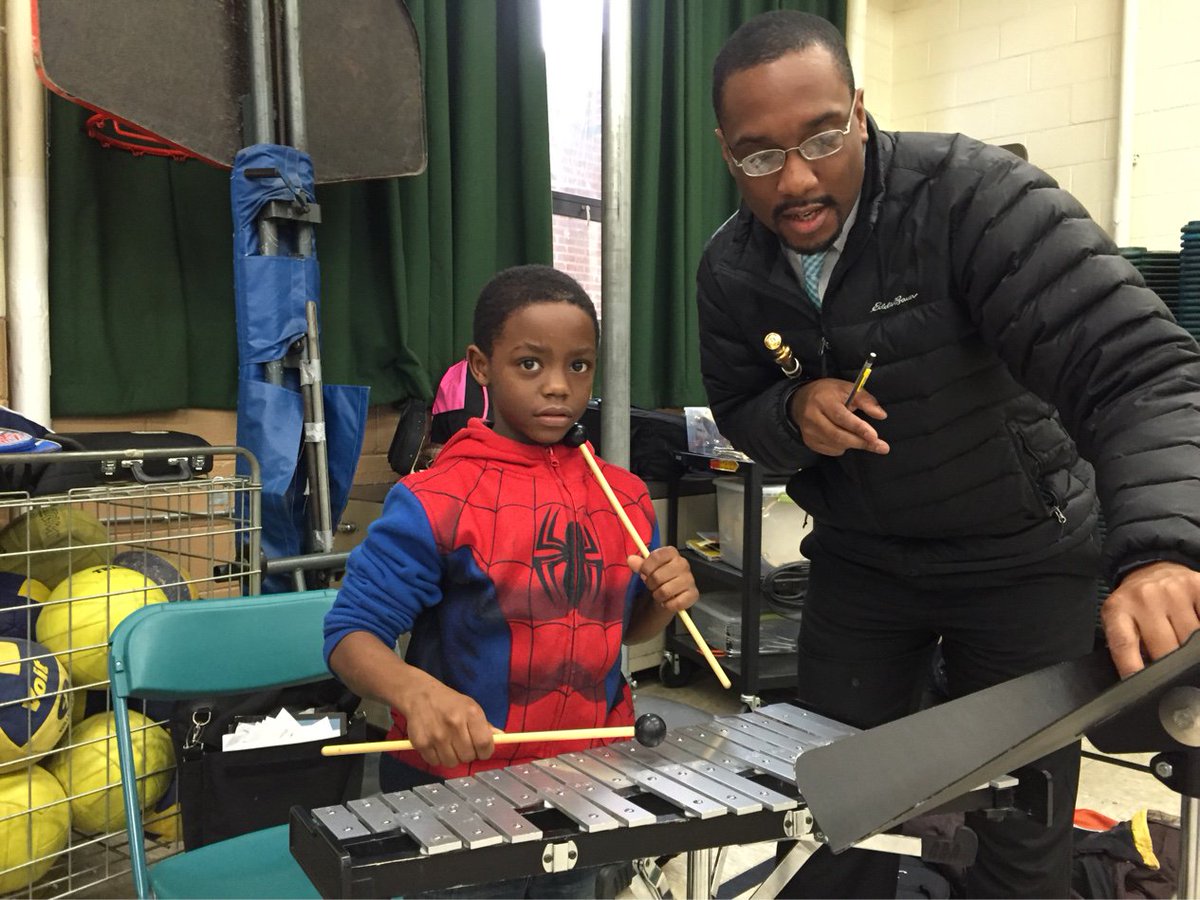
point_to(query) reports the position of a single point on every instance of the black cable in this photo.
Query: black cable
(785, 588)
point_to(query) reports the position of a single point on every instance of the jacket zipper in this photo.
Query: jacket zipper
(1049, 498)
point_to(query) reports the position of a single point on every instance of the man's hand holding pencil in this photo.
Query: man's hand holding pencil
(823, 411)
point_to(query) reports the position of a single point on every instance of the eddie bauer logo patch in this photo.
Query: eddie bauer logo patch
(880, 306)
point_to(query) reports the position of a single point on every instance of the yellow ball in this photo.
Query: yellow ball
(35, 702)
(164, 824)
(50, 542)
(81, 613)
(44, 831)
(90, 771)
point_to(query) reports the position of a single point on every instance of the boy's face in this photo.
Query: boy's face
(539, 376)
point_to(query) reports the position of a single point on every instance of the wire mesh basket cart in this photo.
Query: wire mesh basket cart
(72, 565)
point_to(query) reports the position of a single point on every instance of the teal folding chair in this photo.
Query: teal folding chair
(201, 648)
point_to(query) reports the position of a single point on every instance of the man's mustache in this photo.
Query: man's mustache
(787, 205)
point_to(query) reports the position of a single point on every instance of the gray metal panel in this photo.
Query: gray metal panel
(517, 793)
(624, 811)
(421, 823)
(1011, 725)
(380, 817)
(781, 768)
(745, 732)
(606, 775)
(459, 815)
(585, 814)
(796, 737)
(495, 809)
(340, 821)
(808, 721)
(688, 801)
(772, 800)
(735, 801)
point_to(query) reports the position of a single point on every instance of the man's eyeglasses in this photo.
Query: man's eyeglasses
(827, 143)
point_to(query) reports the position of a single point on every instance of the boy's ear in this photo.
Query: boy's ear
(477, 362)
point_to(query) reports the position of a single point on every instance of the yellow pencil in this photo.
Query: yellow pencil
(863, 374)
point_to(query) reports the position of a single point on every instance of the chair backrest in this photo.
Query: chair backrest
(221, 646)
(195, 648)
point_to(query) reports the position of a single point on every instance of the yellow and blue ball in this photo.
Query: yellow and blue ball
(35, 702)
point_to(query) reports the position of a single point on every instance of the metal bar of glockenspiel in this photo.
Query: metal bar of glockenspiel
(742, 725)
(717, 749)
(685, 799)
(459, 815)
(790, 734)
(770, 799)
(420, 823)
(578, 808)
(493, 808)
(807, 721)
(737, 802)
(629, 814)
(596, 769)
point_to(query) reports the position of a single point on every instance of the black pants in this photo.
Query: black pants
(866, 643)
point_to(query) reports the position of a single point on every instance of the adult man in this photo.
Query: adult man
(1012, 344)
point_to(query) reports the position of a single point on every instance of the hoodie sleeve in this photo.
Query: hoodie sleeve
(391, 577)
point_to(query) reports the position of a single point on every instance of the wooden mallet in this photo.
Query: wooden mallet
(649, 731)
(577, 437)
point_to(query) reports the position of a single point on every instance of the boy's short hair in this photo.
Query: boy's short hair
(518, 287)
(772, 35)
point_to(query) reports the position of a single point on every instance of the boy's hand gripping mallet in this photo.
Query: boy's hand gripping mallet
(649, 731)
(577, 436)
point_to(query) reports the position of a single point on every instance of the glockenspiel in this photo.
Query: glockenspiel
(727, 781)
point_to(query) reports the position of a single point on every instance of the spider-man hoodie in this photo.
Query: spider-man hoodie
(508, 565)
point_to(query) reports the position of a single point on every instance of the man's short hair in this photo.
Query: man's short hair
(769, 36)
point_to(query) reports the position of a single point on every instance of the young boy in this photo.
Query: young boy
(506, 562)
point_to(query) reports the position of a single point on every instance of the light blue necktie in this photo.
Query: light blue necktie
(811, 263)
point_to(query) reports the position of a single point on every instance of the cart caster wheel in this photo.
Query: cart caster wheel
(676, 674)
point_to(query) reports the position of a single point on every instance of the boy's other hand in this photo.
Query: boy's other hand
(668, 577)
(447, 728)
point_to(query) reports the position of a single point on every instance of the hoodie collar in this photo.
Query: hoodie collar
(478, 441)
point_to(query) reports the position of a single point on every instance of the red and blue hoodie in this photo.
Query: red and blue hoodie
(508, 565)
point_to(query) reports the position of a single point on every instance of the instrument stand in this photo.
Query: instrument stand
(1167, 723)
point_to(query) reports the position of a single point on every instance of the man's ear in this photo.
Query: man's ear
(477, 362)
(725, 151)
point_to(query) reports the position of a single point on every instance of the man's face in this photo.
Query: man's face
(781, 104)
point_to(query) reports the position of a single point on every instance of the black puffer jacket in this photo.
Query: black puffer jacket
(982, 288)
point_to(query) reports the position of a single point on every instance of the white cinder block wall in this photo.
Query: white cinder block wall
(1045, 73)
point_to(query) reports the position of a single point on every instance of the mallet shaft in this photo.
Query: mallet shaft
(701, 644)
(503, 737)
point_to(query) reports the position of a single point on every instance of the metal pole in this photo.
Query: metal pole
(1189, 851)
(616, 246)
(316, 448)
(699, 874)
(260, 124)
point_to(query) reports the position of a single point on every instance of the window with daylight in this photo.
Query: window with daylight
(571, 36)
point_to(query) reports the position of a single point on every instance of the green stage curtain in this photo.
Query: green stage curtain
(141, 271)
(682, 191)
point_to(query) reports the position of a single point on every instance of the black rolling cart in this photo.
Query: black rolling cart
(751, 671)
